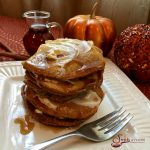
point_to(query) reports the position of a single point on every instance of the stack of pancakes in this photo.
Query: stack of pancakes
(62, 82)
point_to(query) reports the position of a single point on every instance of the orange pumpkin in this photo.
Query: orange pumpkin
(90, 27)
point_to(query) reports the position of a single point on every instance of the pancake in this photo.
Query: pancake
(69, 87)
(50, 120)
(78, 108)
(48, 94)
(66, 59)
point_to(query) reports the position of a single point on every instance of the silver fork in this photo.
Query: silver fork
(97, 131)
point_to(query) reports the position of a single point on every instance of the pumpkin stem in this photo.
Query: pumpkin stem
(93, 10)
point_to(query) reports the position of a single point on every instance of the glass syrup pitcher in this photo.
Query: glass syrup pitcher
(40, 29)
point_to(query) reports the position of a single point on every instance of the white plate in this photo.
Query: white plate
(119, 91)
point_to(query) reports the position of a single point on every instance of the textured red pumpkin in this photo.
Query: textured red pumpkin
(90, 27)
(132, 52)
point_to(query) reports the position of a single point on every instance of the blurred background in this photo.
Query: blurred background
(124, 13)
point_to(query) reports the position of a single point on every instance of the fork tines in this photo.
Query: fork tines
(113, 122)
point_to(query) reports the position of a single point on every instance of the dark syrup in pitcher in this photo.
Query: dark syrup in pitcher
(37, 35)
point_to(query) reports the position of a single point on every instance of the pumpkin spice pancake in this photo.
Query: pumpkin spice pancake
(66, 87)
(66, 59)
(62, 82)
(79, 107)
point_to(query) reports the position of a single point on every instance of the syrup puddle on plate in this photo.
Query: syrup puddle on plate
(26, 126)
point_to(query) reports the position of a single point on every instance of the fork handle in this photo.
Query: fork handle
(48, 143)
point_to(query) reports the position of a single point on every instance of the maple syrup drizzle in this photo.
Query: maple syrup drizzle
(26, 126)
